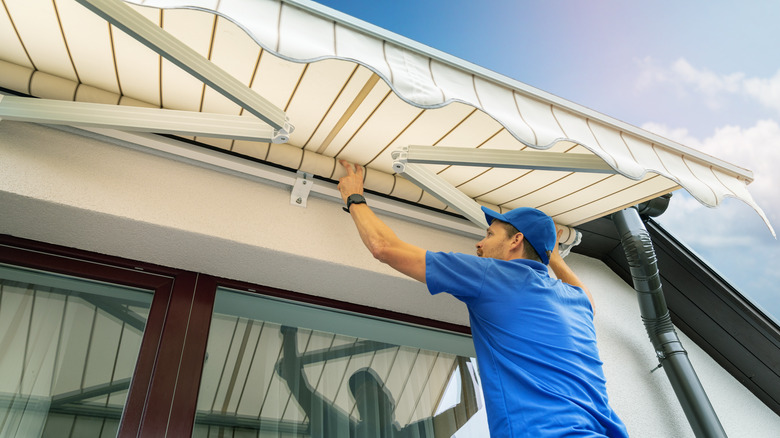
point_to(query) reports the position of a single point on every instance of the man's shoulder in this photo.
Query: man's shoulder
(454, 259)
(450, 254)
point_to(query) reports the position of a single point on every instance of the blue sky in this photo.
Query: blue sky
(703, 73)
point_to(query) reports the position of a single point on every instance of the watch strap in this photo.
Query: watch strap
(354, 199)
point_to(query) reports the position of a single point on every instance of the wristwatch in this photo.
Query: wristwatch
(354, 199)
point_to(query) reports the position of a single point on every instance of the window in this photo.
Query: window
(94, 345)
(280, 368)
(68, 350)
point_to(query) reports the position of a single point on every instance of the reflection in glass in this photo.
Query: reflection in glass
(374, 405)
(68, 348)
(264, 378)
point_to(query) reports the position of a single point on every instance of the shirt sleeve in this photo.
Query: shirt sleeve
(460, 275)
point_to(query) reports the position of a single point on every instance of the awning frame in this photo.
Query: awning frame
(424, 78)
(556, 161)
(130, 118)
(440, 189)
(141, 29)
(409, 162)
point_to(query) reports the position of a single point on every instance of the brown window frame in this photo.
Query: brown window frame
(163, 393)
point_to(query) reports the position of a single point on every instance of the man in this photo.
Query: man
(534, 335)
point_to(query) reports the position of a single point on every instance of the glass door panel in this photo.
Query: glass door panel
(285, 369)
(68, 349)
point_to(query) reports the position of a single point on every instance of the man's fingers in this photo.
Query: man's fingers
(352, 169)
(348, 166)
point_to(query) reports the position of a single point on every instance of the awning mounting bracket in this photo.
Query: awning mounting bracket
(301, 189)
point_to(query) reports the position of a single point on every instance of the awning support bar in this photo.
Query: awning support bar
(130, 118)
(445, 192)
(556, 161)
(655, 314)
(140, 28)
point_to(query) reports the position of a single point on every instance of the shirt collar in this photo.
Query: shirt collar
(538, 266)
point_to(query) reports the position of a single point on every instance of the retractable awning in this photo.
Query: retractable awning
(351, 91)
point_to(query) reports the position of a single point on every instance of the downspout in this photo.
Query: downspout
(655, 315)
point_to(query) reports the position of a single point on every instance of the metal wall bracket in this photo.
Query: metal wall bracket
(301, 189)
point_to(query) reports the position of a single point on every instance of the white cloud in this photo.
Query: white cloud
(714, 88)
(652, 73)
(710, 229)
(706, 81)
(766, 91)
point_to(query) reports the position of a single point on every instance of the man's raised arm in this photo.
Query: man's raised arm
(384, 245)
(564, 273)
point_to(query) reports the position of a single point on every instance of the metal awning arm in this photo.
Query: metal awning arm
(130, 118)
(81, 395)
(347, 350)
(408, 162)
(503, 158)
(140, 28)
(442, 190)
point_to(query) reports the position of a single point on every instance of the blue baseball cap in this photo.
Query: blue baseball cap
(537, 228)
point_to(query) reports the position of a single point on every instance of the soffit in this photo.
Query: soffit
(358, 93)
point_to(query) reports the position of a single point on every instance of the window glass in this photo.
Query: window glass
(68, 348)
(280, 368)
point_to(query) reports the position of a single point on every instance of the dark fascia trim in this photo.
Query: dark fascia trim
(600, 238)
(725, 324)
(738, 301)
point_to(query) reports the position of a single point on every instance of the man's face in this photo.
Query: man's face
(496, 243)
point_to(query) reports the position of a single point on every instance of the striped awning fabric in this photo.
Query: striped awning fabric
(355, 92)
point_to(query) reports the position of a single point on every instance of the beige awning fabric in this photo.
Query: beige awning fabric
(356, 92)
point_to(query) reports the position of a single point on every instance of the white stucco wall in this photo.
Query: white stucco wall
(69, 190)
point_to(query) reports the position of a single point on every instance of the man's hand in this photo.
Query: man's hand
(353, 182)
(556, 252)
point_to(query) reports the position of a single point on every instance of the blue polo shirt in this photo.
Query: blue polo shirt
(536, 346)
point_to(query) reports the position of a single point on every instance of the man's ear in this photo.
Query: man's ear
(517, 240)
